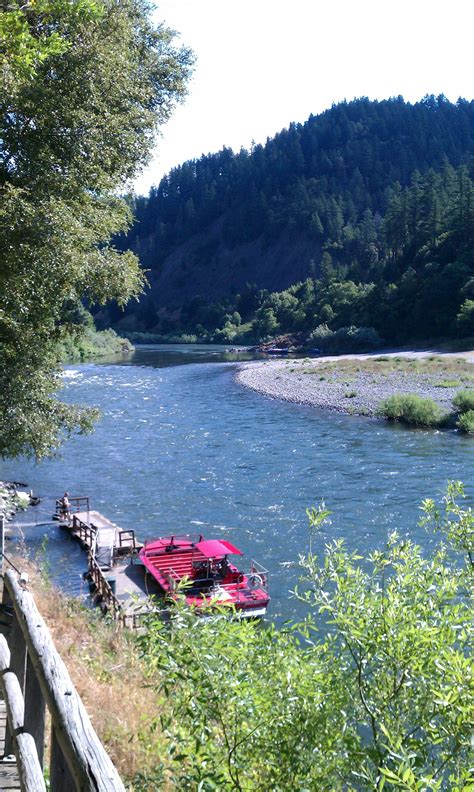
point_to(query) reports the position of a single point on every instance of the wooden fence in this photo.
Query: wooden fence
(33, 677)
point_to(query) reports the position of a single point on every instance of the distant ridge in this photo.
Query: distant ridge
(266, 218)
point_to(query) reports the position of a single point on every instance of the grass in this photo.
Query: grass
(453, 383)
(109, 674)
(439, 371)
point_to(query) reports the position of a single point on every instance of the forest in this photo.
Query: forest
(358, 222)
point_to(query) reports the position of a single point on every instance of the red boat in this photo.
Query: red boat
(209, 577)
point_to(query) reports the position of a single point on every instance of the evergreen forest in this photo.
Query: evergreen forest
(352, 229)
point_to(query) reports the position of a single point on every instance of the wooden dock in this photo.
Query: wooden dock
(117, 576)
(98, 534)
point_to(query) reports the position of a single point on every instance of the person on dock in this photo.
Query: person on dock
(65, 507)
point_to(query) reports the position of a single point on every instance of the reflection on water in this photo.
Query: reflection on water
(185, 448)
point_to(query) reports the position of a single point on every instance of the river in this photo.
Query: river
(184, 448)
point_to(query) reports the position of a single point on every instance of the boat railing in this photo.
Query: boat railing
(256, 573)
(191, 538)
(260, 571)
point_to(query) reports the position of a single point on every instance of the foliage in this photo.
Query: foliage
(370, 226)
(412, 409)
(372, 690)
(85, 87)
(345, 339)
(465, 422)
(93, 344)
(25, 44)
(464, 401)
(465, 318)
(451, 520)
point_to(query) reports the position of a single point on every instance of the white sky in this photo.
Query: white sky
(264, 63)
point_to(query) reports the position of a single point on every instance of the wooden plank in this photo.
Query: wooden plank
(88, 762)
(9, 778)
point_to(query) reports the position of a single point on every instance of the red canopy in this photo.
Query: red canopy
(213, 548)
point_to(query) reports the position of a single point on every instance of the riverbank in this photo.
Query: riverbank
(357, 384)
(13, 499)
(93, 344)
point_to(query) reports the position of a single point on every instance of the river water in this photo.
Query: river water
(181, 447)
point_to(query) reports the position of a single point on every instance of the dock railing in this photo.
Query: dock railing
(33, 677)
(77, 503)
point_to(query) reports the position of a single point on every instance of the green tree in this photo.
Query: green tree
(266, 323)
(85, 86)
(465, 318)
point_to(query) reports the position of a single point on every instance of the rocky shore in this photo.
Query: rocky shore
(13, 499)
(357, 384)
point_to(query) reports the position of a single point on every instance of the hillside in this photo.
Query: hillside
(362, 195)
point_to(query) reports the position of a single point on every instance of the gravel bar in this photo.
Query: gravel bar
(358, 389)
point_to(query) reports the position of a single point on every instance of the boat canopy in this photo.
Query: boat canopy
(214, 548)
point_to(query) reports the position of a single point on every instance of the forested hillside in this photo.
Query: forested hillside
(361, 217)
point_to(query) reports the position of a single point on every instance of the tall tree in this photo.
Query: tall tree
(85, 86)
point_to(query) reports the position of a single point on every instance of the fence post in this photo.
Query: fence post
(61, 778)
(17, 646)
(35, 709)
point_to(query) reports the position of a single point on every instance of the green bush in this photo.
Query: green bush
(373, 685)
(466, 422)
(448, 384)
(412, 409)
(464, 401)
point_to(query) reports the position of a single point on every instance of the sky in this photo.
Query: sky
(262, 64)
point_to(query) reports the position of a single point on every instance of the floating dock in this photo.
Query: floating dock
(116, 574)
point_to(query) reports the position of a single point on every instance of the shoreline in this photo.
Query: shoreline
(13, 499)
(357, 384)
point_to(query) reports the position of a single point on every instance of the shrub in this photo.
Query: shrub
(464, 401)
(448, 384)
(466, 422)
(412, 409)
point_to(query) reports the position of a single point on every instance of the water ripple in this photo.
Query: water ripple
(181, 447)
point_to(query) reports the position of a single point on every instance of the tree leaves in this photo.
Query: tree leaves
(85, 87)
(372, 691)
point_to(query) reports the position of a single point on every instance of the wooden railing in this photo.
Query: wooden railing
(86, 531)
(77, 503)
(33, 677)
(103, 589)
